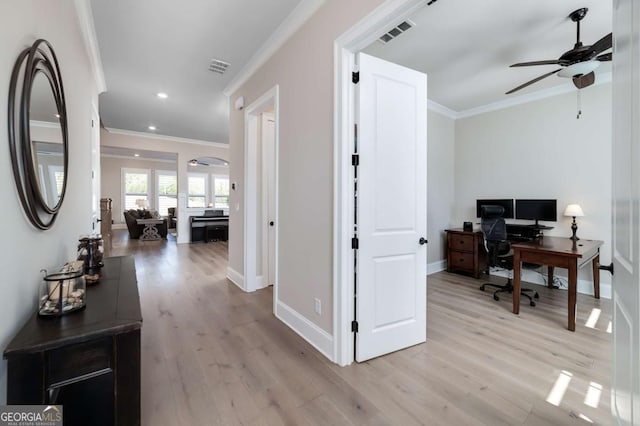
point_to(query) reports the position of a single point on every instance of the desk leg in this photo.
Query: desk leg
(596, 276)
(550, 276)
(573, 286)
(516, 281)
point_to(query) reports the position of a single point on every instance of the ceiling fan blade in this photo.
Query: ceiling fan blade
(584, 80)
(604, 57)
(603, 44)
(526, 64)
(535, 80)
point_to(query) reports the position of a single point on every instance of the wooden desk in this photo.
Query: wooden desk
(558, 252)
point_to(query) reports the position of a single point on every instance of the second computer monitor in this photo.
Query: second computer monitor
(507, 204)
(537, 210)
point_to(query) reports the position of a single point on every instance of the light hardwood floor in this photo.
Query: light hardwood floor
(212, 354)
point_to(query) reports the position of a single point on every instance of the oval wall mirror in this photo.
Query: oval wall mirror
(38, 138)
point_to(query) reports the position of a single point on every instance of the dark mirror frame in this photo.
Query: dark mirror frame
(39, 58)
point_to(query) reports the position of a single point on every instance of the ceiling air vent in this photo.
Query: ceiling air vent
(396, 31)
(218, 66)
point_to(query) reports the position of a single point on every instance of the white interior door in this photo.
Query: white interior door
(391, 215)
(268, 198)
(626, 220)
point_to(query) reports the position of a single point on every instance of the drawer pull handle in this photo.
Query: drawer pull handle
(461, 259)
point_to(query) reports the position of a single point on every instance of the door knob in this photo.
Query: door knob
(271, 223)
(606, 267)
(422, 241)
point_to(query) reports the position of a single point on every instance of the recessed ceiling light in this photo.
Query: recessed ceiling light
(136, 155)
(162, 95)
(152, 127)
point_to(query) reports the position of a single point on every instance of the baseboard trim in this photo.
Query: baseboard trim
(236, 278)
(438, 266)
(119, 226)
(584, 286)
(260, 282)
(314, 335)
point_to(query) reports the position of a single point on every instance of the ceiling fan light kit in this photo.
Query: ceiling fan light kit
(578, 63)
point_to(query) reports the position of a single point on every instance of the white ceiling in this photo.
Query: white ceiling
(466, 47)
(151, 46)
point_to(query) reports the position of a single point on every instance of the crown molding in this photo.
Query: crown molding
(157, 160)
(166, 138)
(441, 109)
(567, 87)
(286, 29)
(88, 30)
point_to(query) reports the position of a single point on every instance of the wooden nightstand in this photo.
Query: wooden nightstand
(465, 252)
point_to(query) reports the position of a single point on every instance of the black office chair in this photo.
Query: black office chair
(499, 251)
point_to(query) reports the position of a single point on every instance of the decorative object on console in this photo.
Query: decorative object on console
(62, 292)
(36, 100)
(574, 210)
(91, 252)
(467, 226)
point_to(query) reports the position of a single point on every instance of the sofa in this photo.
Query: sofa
(135, 229)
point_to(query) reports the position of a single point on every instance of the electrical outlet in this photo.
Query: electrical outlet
(318, 305)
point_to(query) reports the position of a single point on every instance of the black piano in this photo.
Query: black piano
(212, 226)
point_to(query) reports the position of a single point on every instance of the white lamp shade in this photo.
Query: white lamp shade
(580, 68)
(142, 203)
(573, 210)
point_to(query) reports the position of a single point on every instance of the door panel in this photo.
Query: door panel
(392, 202)
(626, 220)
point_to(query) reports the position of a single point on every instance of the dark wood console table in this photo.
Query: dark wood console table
(87, 361)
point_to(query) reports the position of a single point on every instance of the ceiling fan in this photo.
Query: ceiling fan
(207, 161)
(577, 63)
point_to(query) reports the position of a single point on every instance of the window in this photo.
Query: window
(167, 190)
(135, 183)
(197, 190)
(221, 192)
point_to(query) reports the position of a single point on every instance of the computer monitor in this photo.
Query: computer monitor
(537, 210)
(507, 204)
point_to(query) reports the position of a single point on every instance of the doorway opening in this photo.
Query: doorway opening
(261, 194)
(346, 48)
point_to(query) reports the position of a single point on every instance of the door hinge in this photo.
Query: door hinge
(355, 160)
(91, 123)
(354, 243)
(354, 326)
(355, 77)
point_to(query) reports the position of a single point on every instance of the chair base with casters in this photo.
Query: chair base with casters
(508, 288)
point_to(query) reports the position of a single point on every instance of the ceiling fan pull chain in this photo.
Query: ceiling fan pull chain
(579, 105)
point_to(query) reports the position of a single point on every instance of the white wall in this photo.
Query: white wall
(26, 250)
(185, 150)
(540, 150)
(440, 185)
(303, 68)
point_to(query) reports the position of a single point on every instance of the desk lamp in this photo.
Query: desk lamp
(574, 210)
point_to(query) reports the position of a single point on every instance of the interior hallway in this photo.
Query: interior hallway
(212, 354)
